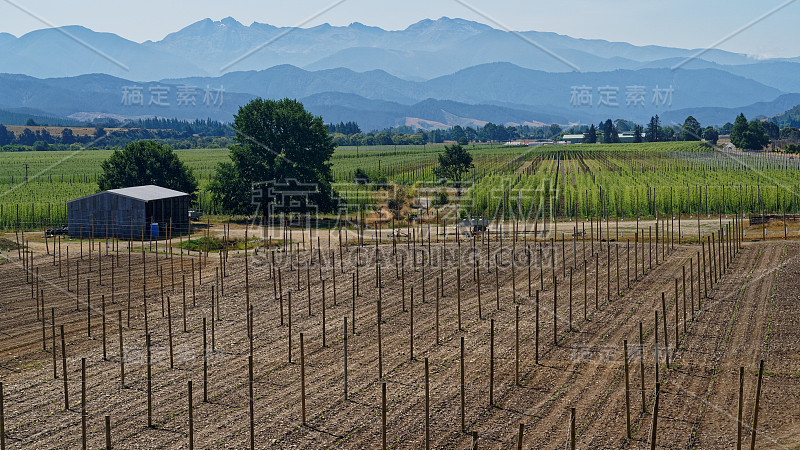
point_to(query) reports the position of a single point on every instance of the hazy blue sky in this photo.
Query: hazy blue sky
(679, 23)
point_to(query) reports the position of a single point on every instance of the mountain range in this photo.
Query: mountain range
(433, 73)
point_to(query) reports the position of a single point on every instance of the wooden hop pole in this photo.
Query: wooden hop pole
(84, 417)
(427, 407)
(383, 414)
(516, 346)
(64, 368)
(302, 380)
(191, 415)
(755, 409)
(345, 358)
(491, 364)
(739, 410)
(3, 418)
(627, 391)
(572, 429)
(108, 433)
(149, 383)
(463, 390)
(654, 424)
(251, 401)
(121, 350)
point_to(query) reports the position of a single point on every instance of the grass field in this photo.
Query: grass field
(56, 177)
(623, 180)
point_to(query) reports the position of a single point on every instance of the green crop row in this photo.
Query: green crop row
(624, 180)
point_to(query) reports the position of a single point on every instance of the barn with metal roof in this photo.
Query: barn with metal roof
(129, 213)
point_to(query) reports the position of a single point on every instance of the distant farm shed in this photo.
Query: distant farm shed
(129, 212)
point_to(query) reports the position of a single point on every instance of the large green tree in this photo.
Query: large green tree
(790, 133)
(749, 135)
(590, 136)
(6, 137)
(454, 163)
(638, 131)
(276, 141)
(756, 137)
(691, 130)
(711, 135)
(610, 135)
(738, 129)
(146, 162)
(554, 130)
(772, 130)
(654, 129)
(67, 136)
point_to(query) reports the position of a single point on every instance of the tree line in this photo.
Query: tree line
(405, 135)
(43, 140)
(757, 134)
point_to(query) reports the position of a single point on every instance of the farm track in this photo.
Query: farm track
(34, 401)
(782, 362)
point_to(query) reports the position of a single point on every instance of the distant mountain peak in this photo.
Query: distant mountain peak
(228, 21)
(361, 26)
(447, 22)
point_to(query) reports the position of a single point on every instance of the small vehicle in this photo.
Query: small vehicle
(475, 224)
(195, 215)
(63, 231)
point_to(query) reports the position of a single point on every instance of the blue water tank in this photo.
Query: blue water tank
(154, 230)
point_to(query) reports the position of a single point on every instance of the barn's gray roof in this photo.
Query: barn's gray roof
(145, 193)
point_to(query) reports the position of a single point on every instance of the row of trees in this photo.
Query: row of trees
(691, 130)
(347, 129)
(381, 138)
(608, 132)
(752, 135)
(406, 135)
(43, 140)
(198, 127)
(605, 132)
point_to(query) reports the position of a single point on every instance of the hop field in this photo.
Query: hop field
(624, 180)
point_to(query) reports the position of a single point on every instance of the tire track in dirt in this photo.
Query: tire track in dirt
(709, 338)
(757, 316)
(590, 401)
(567, 384)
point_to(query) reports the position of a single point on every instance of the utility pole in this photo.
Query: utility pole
(26, 172)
